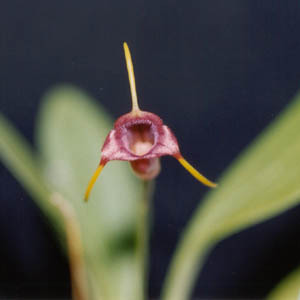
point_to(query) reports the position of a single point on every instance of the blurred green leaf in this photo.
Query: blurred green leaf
(263, 182)
(71, 129)
(288, 289)
(17, 155)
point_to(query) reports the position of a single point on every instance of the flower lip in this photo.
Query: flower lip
(138, 135)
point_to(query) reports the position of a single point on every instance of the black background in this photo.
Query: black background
(217, 72)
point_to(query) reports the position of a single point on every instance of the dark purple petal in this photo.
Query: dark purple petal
(146, 169)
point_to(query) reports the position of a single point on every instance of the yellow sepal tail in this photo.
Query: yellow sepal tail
(92, 182)
(195, 173)
(135, 105)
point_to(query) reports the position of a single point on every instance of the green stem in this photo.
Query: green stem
(74, 247)
(143, 224)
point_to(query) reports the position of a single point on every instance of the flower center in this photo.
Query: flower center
(140, 138)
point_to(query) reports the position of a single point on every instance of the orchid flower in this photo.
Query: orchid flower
(141, 138)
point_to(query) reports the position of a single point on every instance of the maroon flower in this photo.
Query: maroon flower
(140, 137)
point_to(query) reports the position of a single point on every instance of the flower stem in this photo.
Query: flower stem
(75, 248)
(143, 233)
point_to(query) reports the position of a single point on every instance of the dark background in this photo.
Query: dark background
(217, 72)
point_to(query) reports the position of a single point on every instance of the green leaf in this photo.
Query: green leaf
(289, 288)
(71, 131)
(18, 156)
(263, 182)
